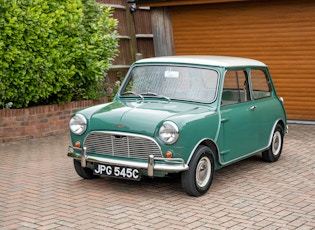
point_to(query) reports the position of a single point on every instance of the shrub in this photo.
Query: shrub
(53, 51)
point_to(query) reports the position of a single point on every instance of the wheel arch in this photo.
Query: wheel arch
(213, 146)
(283, 126)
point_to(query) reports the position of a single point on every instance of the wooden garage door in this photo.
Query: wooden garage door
(279, 33)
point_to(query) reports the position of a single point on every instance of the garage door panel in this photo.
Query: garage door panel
(279, 33)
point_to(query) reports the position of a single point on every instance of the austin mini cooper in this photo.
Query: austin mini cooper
(189, 115)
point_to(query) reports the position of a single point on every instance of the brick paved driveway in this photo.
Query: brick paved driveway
(40, 190)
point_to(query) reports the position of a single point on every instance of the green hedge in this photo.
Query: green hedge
(54, 51)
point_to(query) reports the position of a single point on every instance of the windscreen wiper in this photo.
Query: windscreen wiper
(133, 93)
(155, 95)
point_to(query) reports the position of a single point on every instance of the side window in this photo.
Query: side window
(260, 84)
(235, 88)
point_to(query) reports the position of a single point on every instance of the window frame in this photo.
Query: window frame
(268, 81)
(246, 89)
(129, 76)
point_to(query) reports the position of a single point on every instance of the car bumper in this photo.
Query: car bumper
(153, 163)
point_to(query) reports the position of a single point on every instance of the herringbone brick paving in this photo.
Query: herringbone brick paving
(40, 190)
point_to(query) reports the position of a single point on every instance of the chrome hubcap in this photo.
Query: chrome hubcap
(203, 171)
(276, 143)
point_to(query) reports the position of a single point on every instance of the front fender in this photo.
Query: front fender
(193, 132)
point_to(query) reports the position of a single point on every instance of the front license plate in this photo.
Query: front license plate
(117, 171)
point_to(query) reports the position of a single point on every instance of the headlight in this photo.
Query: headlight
(77, 124)
(168, 132)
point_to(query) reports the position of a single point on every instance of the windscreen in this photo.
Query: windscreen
(173, 82)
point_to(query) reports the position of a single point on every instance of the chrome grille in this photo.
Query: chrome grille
(122, 145)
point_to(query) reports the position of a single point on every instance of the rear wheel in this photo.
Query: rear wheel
(197, 180)
(85, 173)
(273, 153)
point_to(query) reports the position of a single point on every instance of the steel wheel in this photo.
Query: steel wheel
(273, 153)
(203, 171)
(197, 180)
(276, 143)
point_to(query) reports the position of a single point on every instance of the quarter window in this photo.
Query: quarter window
(260, 84)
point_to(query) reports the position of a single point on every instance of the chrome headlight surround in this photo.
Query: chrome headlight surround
(169, 132)
(78, 124)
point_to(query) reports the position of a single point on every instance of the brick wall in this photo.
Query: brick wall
(39, 121)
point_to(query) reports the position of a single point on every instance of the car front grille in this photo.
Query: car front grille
(122, 145)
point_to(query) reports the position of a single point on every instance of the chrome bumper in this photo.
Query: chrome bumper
(176, 164)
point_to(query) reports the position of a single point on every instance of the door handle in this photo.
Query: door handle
(253, 107)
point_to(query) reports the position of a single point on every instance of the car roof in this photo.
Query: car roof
(220, 61)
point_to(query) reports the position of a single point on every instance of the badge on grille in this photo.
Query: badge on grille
(120, 125)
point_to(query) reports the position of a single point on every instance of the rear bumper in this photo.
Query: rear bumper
(153, 163)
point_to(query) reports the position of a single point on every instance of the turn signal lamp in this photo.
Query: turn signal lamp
(77, 144)
(168, 154)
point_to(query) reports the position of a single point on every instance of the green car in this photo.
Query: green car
(181, 114)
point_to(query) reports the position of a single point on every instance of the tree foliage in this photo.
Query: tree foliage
(54, 51)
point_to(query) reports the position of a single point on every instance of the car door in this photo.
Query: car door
(264, 105)
(237, 137)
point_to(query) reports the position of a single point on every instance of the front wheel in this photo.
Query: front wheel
(197, 180)
(273, 153)
(85, 173)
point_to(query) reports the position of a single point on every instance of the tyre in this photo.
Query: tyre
(273, 153)
(197, 180)
(85, 173)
